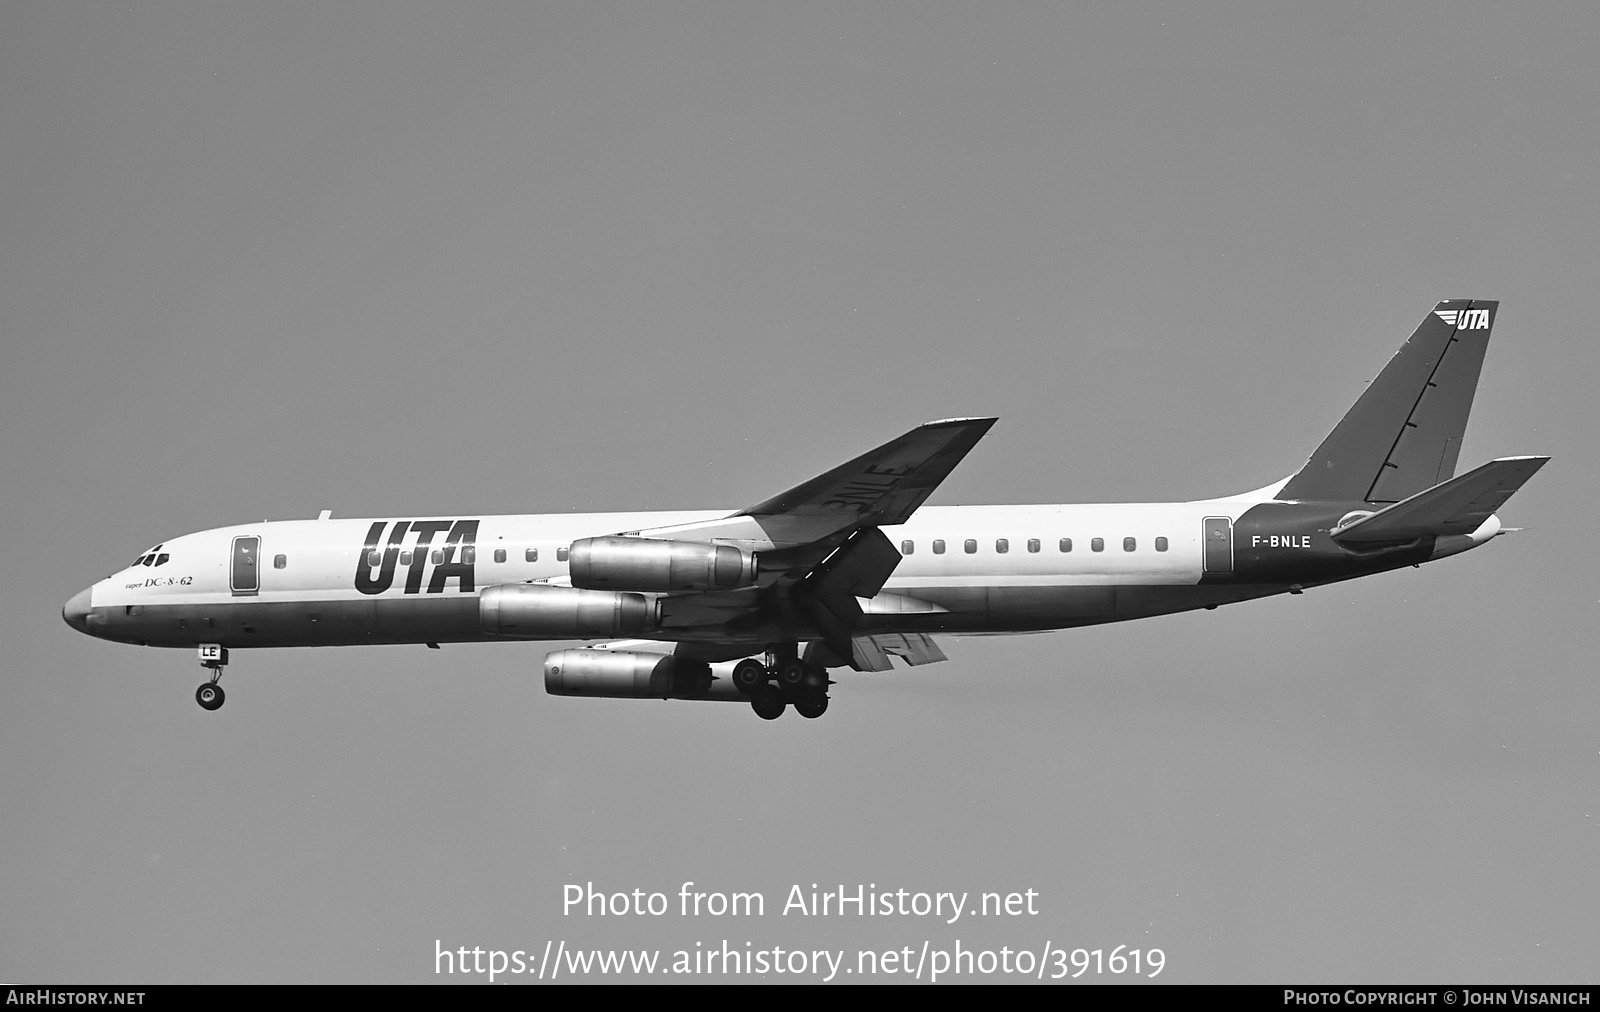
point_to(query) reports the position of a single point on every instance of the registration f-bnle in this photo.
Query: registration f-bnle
(841, 572)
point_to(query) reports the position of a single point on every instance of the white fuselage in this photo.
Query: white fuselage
(979, 568)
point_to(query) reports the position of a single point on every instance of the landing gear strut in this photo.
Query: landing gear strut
(214, 657)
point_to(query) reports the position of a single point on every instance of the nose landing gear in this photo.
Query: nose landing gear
(210, 696)
(214, 657)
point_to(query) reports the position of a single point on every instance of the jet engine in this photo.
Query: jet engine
(647, 564)
(623, 674)
(535, 611)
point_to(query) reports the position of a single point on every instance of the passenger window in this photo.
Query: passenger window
(969, 546)
(938, 547)
(907, 547)
(405, 558)
(1129, 544)
(1066, 544)
(499, 555)
(1161, 544)
(279, 561)
(561, 555)
(374, 559)
(531, 555)
(1002, 546)
(469, 555)
(438, 556)
(1097, 544)
(1033, 544)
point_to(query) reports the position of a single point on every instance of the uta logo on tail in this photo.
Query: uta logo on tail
(1464, 319)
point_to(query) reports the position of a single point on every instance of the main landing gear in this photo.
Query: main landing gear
(785, 679)
(214, 657)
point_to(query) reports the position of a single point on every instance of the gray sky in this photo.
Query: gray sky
(261, 260)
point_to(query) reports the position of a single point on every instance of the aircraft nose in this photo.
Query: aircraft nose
(76, 611)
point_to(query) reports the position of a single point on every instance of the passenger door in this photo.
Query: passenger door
(244, 570)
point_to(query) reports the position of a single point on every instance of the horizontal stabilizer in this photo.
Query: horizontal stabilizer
(1458, 506)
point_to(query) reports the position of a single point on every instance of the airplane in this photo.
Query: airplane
(843, 570)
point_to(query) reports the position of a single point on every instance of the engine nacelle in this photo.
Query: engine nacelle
(535, 611)
(648, 564)
(623, 674)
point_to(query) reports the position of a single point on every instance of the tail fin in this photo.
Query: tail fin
(1404, 434)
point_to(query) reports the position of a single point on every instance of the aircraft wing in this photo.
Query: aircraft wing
(819, 547)
(880, 488)
(1457, 506)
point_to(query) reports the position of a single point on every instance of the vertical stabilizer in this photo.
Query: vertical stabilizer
(1404, 434)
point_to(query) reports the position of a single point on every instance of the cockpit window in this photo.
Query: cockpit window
(161, 560)
(150, 558)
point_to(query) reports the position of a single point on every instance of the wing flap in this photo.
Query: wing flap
(858, 568)
(867, 655)
(871, 653)
(916, 648)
